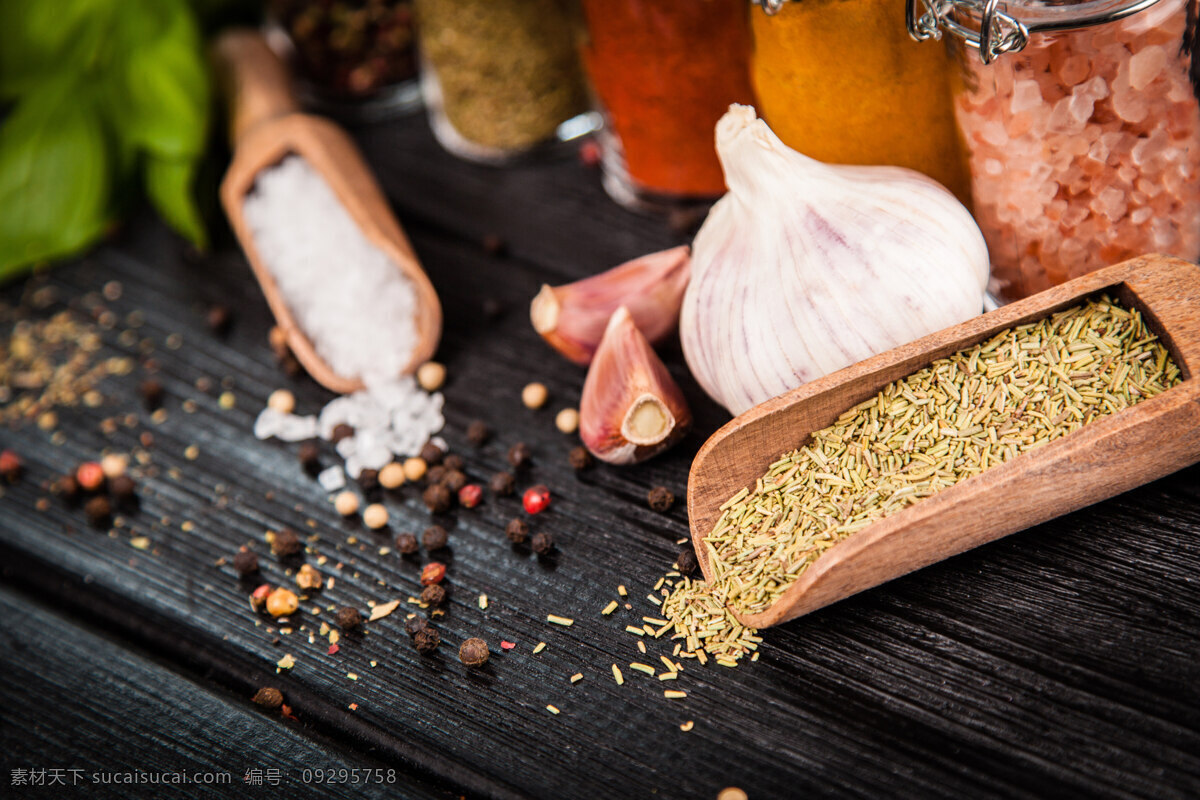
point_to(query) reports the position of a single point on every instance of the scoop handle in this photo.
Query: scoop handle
(254, 80)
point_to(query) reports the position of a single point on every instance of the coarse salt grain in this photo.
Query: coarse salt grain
(349, 298)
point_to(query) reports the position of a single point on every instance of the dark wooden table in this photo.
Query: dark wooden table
(1062, 661)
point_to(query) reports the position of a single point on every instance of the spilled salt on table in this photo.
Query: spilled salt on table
(350, 299)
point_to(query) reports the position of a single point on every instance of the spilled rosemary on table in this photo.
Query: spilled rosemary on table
(1022, 389)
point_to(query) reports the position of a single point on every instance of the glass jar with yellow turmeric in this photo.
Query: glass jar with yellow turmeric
(842, 82)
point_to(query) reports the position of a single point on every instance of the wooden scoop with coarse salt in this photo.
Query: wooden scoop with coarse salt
(1101, 459)
(266, 126)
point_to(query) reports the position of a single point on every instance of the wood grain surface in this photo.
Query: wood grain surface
(1103, 459)
(1061, 661)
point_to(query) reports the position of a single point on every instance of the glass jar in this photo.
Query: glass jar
(842, 82)
(352, 59)
(663, 74)
(1082, 130)
(501, 77)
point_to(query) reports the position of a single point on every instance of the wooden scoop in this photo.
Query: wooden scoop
(1101, 459)
(266, 126)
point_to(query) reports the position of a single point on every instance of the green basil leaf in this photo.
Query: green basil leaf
(54, 176)
(48, 39)
(165, 80)
(169, 184)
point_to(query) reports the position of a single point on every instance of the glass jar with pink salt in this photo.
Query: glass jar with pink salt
(1082, 129)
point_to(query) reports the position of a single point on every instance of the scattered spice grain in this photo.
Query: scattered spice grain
(478, 433)
(406, 543)
(349, 618)
(219, 319)
(534, 395)
(433, 595)
(542, 543)
(375, 516)
(67, 490)
(660, 499)
(470, 495)
(503, 484)
(286, 543)
(567, 420)
(245, 562)
(282, 400)
(432, 573)
(431, 376)
(517, 531)
(10, 466)
(414, 625)
(415, 468)
(686, 561)
(434, 538)
(346, 503)
(454, 480)
(391, 476)
(90, 476)
(309, 456)
(438, 498)
(152, 394)
(308, 578)
(580, 459)
(282, 602)
(453, 461)
(432, 454)
(269, 698)
(427, 639)
(473, 652)
(520, 456)
(98, 511)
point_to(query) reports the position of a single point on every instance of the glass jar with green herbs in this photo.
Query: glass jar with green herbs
(499, 76)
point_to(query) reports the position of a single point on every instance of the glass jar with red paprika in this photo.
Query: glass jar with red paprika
(664, 73)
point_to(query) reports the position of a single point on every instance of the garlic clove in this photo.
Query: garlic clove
(572, 318)
(631, 409)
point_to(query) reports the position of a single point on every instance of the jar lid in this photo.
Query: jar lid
(995, 27)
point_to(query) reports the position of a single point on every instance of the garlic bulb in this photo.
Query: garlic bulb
(804, 268)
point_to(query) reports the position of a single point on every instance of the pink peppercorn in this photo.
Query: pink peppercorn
(470, 495)
(432, 573)
(536, 499)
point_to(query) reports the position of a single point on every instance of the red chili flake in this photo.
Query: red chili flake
(286, 712)
(470, 495)
(507, 645)
(89, 476)
(589, 153)
(333, 648)
(432, 573)
(354, 706)
(10, 466)
(536, 499)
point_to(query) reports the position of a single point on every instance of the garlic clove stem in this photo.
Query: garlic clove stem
(631, 408)
(572, 318)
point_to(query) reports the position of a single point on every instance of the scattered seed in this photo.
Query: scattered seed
(282, 400)
(308, 578)
(660, 499)
(375, 516)
(282, 602)
(542, 543)
(473, 652)
(391, 476)
(427, 639)
(431, 376)
(98, 511)
(519, 456)
(346, 503)
(534, 395)
(579, 458)
(567, 420)
(517, 531)
(433, 595)
(349, 618)
(245, 562)
(227, 400)
(478, 433)
(415, 468)
(269, 697)
(438, 498)
(687, 726)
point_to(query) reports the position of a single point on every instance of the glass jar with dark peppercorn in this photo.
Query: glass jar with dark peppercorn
(353, 59)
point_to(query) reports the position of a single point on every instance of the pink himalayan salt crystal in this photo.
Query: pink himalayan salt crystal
(1072, 195)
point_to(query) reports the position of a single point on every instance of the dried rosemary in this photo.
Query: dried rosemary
(1022, 389)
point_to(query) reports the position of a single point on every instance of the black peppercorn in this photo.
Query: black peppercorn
(286, 543)
(473, 652)
(368, 480)
(438, 498)
(291, 365)
(435, 475)
(519, 456)
(99, 511)
(454, 462)
(432, 454)
(580, 458)
(434, 537)
(67, 489)
(414, 625)
(517, 531)
(492, 308)
(660, 498)
(686, 561)
(152, 394)
(245, 563)
(124, 490)
(427, 639)
(309, 456)
(219, 319)
(406, 543)
(341, 431)
(454, 480)
(433, 595)
(269, 698)
(478, 433)
(503, 484)
(349, 618)
(542, 543)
